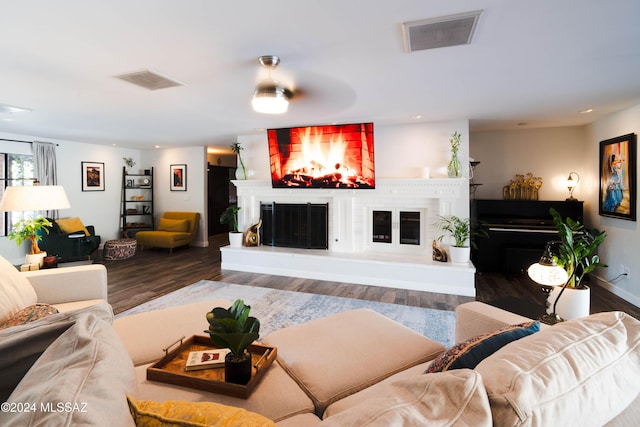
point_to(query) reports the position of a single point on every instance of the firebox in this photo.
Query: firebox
(295, 225)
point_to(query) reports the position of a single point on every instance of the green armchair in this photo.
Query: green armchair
(70, 245)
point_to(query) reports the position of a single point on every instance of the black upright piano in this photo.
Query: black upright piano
(518, 231)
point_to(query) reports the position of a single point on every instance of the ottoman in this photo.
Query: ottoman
(117, 249)
(336, 356)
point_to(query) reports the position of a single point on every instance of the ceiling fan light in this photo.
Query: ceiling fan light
(271, 99)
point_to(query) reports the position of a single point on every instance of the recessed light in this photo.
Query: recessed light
(586, 111)
(417, 116)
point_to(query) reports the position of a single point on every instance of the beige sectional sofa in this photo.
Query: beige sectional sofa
(353, 368)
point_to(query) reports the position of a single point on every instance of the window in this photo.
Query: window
(16, 170)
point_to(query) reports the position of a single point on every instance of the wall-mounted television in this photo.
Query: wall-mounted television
(331, 156)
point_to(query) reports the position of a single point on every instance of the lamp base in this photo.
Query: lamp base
(551, 319)
(571, 199)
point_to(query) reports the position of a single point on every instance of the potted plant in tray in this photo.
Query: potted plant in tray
(234, 329)
(30, 229)
(462, 231)
(230, 216)
(577, 255)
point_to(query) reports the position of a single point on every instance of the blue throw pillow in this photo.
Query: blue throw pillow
(471, 352)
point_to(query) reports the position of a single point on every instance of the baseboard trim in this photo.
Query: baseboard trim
(616, 290)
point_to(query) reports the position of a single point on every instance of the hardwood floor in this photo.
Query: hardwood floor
(154, 272)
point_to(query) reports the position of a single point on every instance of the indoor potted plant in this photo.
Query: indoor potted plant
(453, 167)
(242, 172)
(230, 216)
(576, 253)
(234, 329)
(30, 229)
(462, 231)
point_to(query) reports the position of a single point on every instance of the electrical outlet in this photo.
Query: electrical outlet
(625, 270)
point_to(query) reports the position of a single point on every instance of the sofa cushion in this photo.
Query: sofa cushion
(16, 292)
(443, 399)
(173, 225)
(29, 314)
(72, 225)
(22, 345)
(81, 379)
(471, 352)
(580, 372)
(177, 413)
(338, 355)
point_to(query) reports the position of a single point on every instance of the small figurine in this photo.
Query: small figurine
(438, 253)
(252, 236)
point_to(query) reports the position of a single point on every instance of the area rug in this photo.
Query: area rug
(278, 309)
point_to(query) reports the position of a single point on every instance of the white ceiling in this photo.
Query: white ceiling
(535, 62)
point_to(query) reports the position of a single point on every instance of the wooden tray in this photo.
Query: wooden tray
(171, 369)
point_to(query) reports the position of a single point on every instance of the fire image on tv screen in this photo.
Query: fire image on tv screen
(332, 156)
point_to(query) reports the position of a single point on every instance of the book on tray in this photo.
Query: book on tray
(206, 359)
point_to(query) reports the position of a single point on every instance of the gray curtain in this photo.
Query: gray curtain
(46, 170)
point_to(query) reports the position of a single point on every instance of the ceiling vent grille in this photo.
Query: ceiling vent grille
(450, 30)
(149, 80)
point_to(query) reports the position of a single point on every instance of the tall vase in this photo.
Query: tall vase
(453, 168)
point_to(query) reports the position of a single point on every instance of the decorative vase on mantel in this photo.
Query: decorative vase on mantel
(453, 168)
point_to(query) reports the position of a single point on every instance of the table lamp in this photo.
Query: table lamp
(548, 273)
(34, 198)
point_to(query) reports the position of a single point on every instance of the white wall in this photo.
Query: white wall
(549, 153)
(621, 245)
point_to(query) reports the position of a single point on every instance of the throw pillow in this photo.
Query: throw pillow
(22, 345)
(72, 225)
(469, 353)
(174, 225)
(456, 398)
(16, 292)
(177, 413)
(80, 380)
(29, 314)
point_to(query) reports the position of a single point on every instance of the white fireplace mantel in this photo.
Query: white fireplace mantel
(351, 257)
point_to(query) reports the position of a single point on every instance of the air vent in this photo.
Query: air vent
(450, 30)
(149, 80)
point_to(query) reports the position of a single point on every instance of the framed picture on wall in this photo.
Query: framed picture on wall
(92, 176)
(618, 177)
(178, 177)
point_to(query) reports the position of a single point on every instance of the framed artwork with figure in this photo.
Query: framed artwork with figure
(178, 177)
(618, 177)
(92, 176)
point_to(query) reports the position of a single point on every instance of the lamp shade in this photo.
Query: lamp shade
(548, 275)
(270, 99)
(34, 198)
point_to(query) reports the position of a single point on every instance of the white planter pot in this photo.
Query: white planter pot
(573, 303)
(460, 255)
(36, 258)
(235, 239)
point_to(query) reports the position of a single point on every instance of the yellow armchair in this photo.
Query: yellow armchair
(174, 229)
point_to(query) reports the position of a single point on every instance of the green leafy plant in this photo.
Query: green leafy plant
(129, 161)
(577, 251)
(462, 230)
(454, 140)
(230, 216)
(27, 229)
(233, 328)
(237, 148)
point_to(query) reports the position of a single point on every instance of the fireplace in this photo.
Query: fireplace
(295, 225)
(391, 248)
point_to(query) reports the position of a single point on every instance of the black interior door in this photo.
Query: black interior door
(218, 199)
